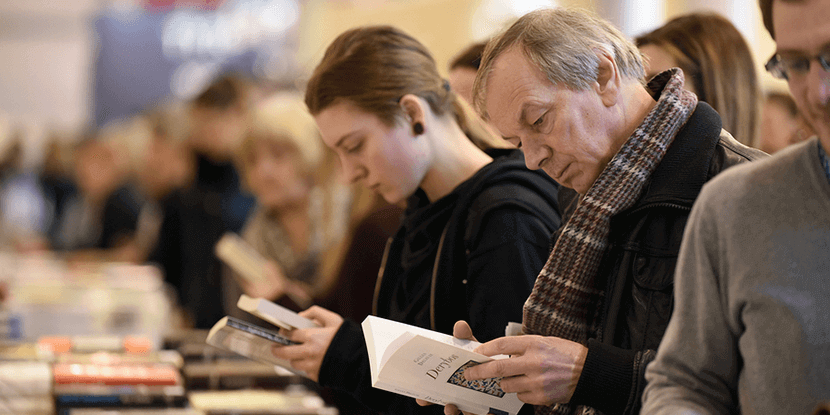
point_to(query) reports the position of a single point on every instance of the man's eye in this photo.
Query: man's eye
(539, 121)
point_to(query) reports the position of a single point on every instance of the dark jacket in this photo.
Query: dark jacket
(491, 239)
(194, 219)
(639, 267)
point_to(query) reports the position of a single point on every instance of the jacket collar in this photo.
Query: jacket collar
(685, 168)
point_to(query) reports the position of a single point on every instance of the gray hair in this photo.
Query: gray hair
(562, 43)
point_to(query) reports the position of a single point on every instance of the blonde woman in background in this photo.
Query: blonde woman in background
(717, 64)
(301, 212)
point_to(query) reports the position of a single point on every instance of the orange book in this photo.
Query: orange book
(115, 375)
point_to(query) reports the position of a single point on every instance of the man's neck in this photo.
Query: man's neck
(635, 110)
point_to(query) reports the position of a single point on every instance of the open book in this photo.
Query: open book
(428, 365)
(253, 341)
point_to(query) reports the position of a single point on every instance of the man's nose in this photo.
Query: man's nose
(535, 152)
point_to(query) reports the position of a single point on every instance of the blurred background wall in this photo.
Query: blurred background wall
(68, 65)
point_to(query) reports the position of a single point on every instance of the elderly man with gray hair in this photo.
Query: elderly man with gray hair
(567, 88)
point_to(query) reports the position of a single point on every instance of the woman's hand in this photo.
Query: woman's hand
(308, 355)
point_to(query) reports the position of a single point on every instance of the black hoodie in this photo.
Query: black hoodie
(495, 227)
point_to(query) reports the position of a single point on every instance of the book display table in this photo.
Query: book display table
(97, 339)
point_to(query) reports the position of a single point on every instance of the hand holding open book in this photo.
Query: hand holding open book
(256, 342)
(430, 366)
(313, 342)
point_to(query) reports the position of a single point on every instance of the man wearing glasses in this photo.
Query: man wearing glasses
(750, 332)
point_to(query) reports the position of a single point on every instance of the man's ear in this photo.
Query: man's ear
(608, 79)
(413, 109)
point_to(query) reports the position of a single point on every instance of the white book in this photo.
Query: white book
(428, 365)
(274, 313)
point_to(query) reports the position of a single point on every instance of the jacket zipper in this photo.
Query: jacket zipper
(661, 204)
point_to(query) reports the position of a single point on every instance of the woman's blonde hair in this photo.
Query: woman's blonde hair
(373, 67)
(283, 119)
(717, 62)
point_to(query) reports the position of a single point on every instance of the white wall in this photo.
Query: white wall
(46, 53)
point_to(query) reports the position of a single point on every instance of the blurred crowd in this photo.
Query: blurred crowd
(164, 185)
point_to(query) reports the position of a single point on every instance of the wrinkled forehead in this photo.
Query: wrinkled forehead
(801, 26)
(513, 79)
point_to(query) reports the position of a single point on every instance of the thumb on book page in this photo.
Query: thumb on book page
(461, 330)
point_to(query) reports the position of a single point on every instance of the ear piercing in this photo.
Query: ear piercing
(418, 128)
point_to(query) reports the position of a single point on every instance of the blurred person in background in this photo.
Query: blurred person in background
(781, 123)
(214, 203)
(463, 70)
(476, 228)
(56, 180)
(99, 222)
(25, 212)
(750, 331)
(717, 64)
(300, 215)
(164, 166)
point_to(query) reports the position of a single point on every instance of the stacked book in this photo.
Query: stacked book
(118, 380)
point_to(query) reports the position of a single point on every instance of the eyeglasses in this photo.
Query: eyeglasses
(783, 67)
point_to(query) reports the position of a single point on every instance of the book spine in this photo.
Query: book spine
(109, 401)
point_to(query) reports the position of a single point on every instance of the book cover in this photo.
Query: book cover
(240, 256)
(428, 365)
(249, 340)
(116, 374)
(260, 402)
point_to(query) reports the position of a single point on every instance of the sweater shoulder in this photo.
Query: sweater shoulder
(766, 179)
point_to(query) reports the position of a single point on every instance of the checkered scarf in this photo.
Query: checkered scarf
(567, 297)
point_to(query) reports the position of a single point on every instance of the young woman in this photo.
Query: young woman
(476, 229)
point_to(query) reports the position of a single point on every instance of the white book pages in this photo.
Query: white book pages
(274, 313)
(428, 365)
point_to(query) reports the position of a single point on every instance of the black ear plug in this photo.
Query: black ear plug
(418, 128)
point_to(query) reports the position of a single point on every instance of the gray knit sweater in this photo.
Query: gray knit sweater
(750, 331)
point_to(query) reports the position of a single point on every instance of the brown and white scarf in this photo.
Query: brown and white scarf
(567, 295)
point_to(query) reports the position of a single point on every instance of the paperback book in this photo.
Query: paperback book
(253, 341)
(249, 340)
(428, 365)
